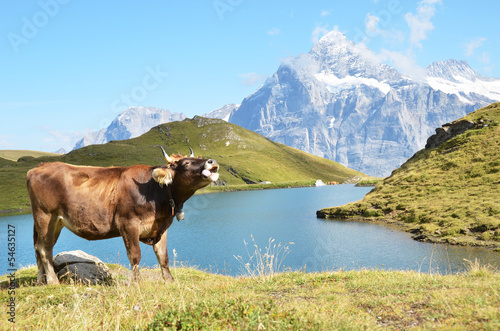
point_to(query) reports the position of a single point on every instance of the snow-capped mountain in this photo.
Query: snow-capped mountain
(341, 102)
(223, 112)
(130, 123)
(457, 77)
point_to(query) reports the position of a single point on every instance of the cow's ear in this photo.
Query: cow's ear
(163, 176)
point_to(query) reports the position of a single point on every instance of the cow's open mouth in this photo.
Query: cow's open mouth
(211, 171)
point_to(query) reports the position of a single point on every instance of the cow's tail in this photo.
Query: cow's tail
(30, 193)
(35, 241)
(35, 235)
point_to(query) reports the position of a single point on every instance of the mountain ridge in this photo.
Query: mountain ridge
(130, 123)
(341, 102)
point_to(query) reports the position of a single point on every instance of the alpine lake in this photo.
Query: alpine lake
(223, 230)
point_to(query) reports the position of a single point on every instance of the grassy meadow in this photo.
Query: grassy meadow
(197, 300)
(15, 154)
(448, 194)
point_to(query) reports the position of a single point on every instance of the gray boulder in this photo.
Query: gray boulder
(81, 266)
(447, 132)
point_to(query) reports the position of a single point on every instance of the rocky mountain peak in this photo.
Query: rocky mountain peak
(340, 102)
(223, 112)
(333, 42)
(130, 123)
(452, 70)
(337, 55)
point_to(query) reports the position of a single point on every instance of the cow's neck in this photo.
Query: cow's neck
(179, 197)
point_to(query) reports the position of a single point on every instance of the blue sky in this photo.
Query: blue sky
(69, 66)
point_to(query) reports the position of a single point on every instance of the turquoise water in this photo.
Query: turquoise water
(218, 224)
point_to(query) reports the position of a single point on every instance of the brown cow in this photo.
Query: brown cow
(137, 203)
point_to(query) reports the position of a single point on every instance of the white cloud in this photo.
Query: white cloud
(251, 78)
(371, 24)
(405, 62)
(420, 23)
(319, 32)
(55, 139)
(471, 46)
(484, 58)
(368, 53)
(372, 29)
(274, 32)
(325, 13)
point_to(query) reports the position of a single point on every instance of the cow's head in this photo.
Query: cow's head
(186, 173)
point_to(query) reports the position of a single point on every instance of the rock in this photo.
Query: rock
(86, 273)
(447, 132)
(81, 266)
(64, 258)
(421, 238)
(203, 121)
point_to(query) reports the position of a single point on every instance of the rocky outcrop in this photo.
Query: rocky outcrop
(447, 132)
(81, 267)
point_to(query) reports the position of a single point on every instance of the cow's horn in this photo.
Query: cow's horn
(169, 160)
(192, 153)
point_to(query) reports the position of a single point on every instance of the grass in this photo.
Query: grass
(346, 300)
(245, 158)
(447, 194)
(246, 187)
(264, 265)
(15, 154)
(368, 181)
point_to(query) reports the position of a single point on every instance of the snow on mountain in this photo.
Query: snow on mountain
(130, 123)
(223, 112)
(340, 102)
(457, 77)
(334, 54)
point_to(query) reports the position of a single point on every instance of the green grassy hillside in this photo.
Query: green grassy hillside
(244, 157)
(15, 154)
(450, 193)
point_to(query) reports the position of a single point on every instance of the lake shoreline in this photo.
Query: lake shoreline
(13, 212)
(256, 187)
(416, 234)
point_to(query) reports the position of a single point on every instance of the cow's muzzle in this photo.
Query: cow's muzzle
(211, 170)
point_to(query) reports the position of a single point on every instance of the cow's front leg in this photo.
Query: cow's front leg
(133, 252)
(160, 248)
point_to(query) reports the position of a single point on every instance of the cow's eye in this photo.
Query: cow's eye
(186, 164)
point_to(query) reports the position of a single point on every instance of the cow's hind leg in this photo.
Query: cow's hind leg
(45, 234)
(40, 279)
(160, 248)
